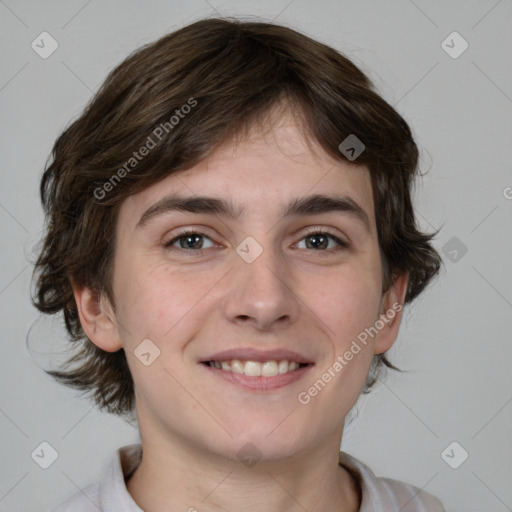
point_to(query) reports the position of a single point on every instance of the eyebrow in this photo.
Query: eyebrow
(308, 205)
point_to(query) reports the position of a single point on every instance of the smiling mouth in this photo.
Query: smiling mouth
(256, 368)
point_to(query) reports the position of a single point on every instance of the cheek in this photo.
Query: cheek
(155, 300)
(347, 303)
(347, 307)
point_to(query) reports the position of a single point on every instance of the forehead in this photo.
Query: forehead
(260, 172)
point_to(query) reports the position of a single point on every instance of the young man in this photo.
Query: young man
(231, 240)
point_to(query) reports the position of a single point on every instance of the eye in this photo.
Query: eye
(188, 240)
(193, 241)
(319, 239)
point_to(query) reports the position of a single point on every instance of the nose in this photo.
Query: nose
(261, 292)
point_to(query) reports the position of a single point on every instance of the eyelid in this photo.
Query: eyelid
(325, 231)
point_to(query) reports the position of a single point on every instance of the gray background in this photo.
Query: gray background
(455, 340)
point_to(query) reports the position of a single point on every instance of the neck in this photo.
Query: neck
(177, 476)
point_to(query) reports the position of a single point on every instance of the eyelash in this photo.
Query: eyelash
(314, 231)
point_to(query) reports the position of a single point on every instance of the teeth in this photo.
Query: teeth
(255, 368)
(236, 366)
(283, 366)
(252, 368)
(269, 369)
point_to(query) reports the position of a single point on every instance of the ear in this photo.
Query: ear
(390, 314)
(97, 318)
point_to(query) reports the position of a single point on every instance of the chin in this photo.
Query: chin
(270, 442)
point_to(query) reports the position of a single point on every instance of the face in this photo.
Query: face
(248, 291)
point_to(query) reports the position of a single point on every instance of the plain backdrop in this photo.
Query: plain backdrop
(455, 340)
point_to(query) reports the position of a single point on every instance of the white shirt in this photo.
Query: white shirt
(378, 494)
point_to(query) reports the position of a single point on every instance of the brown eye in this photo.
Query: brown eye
(319, 240)
(188, 241)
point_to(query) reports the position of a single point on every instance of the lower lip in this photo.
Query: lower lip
(260, 383)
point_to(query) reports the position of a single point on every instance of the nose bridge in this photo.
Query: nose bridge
(260, 289)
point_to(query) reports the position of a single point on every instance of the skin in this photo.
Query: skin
(314, 301)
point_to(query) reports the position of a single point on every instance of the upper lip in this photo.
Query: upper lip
(253, 354)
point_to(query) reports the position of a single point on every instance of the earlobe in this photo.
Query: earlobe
(391, 314)
(97, 318)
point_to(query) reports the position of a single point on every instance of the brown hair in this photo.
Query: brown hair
(229, 73)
